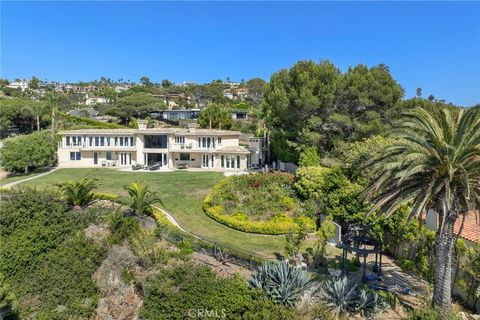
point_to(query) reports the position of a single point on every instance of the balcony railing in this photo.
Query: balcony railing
(87, 146)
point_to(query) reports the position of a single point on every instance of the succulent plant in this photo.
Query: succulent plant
(281, 281)
(345, 296)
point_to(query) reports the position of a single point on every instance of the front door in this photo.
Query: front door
(95, 158)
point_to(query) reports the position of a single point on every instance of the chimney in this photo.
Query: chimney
(142, 124)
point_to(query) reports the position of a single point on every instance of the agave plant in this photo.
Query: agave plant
(141, 198)
(78, 194)
(346, 297)
(281, 281)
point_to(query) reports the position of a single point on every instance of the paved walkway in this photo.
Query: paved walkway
(175, 223)
(11, 184)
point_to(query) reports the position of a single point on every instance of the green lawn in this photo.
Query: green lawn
(182, 193)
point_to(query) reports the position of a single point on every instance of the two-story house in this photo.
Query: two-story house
(167, 147)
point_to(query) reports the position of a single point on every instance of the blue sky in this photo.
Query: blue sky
(433, 45)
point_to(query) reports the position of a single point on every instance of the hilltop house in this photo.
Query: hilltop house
(19, 84)
(164, 147)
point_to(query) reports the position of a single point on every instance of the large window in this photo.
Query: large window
(109, 155)
(206, 142)
(157, 141)
(185, 156)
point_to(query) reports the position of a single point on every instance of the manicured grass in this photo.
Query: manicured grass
(182, 193)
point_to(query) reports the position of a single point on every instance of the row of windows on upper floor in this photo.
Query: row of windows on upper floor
(151, 141)
(99, 141)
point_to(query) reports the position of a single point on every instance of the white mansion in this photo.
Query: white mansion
(159, 147)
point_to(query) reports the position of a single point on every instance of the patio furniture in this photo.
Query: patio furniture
(154, 167)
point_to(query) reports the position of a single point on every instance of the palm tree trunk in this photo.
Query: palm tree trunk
(444, 246)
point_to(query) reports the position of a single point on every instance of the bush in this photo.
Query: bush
(188, 289)
(28, 152)
(309, 157)
(331, 193)
(122, 227)
(282, 282)
(45, 258)
(257, 203)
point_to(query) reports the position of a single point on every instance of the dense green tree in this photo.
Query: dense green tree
(34, 83)
(434, 163)
(314, 104)
(309, 157)
(137, 104)
(330, 192)
(145, 81)
(28, 152)
(215, 116)
(25, 114)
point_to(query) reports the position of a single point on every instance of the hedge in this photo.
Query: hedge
(280, 224)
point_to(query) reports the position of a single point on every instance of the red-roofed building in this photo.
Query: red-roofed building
(470, 230)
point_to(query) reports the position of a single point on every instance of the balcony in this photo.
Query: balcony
(86, 146)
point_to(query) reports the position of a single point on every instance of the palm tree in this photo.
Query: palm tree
(434, 164)
(141, 198)
(78, 194)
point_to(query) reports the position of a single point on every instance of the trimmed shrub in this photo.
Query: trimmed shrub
(257, 203)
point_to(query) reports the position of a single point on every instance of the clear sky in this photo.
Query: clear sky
(433, 45)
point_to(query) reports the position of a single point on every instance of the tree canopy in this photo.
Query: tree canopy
(315, 104)
(26, 152)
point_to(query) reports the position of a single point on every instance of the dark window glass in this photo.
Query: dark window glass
(223, 162)
(131, 141)
(108, 141)
(78, 156)
(72, 155)
(238, 162)
(91, 141)
(116, 141)
(102, 141)
(96, 141)
(109, 155)
(157, 141)
(67, 141)
(184, 156)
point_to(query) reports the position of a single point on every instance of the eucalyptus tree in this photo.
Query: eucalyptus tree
(434, 164)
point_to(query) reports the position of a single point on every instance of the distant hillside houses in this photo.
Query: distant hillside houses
(95, 100)
(21, 84)
(236, 93)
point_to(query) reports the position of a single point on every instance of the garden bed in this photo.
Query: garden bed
(257, 203)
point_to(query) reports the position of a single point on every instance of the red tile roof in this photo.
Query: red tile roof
(471, 226)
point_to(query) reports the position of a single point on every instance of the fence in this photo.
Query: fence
(465, 285)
